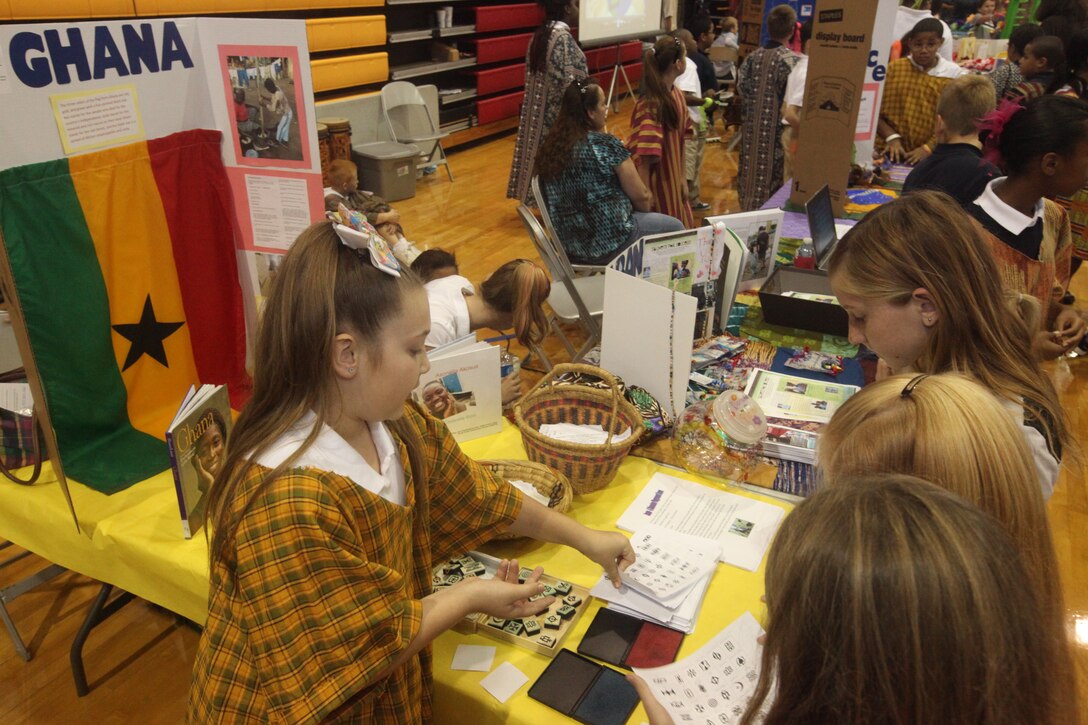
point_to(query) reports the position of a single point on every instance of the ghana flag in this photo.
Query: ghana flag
(125, 272)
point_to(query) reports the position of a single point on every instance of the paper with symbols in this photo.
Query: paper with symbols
(713, 685)
(668, 563)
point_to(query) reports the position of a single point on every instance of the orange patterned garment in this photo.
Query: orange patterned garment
(655, 143)
(1047, 277)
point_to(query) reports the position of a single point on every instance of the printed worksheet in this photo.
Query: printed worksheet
(715, 683)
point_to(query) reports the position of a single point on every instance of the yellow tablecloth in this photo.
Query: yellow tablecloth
(459, 698)
(133, 540)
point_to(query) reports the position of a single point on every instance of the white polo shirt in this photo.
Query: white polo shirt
(330, 452)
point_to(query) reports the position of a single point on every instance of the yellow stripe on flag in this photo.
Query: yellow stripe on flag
(136, 257)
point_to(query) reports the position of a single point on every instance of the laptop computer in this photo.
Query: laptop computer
(822, 228)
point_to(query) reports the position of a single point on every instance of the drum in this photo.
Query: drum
(339, 137)
(324, 148)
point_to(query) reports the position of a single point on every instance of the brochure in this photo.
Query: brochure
(787, 396)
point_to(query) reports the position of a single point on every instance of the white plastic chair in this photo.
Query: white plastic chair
(538, 195)
(410, 121)
(572, 299)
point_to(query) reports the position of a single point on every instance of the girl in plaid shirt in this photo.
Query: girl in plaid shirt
(335, 499)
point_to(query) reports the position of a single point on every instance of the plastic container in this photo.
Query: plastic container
(806, 255)
(388, 169)
(720, 437)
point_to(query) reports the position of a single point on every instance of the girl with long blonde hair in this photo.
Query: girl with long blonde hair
(893, 600)
(334, 501)
(922, 291)
(948, 429)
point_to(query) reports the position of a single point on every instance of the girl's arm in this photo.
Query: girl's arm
(500, 597)
(634, 186)
(610, 549)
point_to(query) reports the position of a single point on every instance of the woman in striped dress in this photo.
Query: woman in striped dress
(659, 122)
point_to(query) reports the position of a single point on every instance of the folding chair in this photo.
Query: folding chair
(410, 121)
(572, 299)
(538, 195)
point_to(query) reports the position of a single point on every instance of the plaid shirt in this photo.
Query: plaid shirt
(321, 591)
(910, 104)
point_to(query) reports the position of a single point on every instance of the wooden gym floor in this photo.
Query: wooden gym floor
(139, 661)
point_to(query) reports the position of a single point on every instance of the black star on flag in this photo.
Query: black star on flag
(146, 336)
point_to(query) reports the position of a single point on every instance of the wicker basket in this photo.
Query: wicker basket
(589, 467)
(547, 482)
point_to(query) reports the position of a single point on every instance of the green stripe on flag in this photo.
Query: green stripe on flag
(63, 298)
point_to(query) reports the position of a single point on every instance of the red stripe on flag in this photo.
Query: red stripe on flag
(196, 199)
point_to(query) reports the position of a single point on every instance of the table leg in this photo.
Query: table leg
(100, 611)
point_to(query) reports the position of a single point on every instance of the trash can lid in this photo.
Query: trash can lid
(386, 150)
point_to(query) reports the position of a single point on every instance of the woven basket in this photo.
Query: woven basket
(589, 467)
(547, 482)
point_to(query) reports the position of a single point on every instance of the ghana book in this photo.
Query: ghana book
(197, 440)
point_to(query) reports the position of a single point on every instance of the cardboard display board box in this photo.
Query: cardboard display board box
(846, 68)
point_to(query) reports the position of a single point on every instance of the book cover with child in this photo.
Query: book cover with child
(197, 439)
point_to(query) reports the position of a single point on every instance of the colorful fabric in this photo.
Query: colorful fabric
(540, 106)
(910, 104)
(590, 211)
(125, 271)
(322, 589)
(1045, 277)
(1076, 208)
(761, 83)
(1006, 78)
(16, 440)
(652, 142)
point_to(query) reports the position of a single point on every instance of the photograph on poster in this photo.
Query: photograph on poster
(266, 105)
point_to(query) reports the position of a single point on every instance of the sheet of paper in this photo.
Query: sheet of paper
(279, 208)
(473, 657)
(627, 600)
(504, 681)
(715, 683)
(668, 563)
(743, 526)
(92, 119)
(16, 397)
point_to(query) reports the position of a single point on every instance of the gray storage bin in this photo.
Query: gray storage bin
(386, 168)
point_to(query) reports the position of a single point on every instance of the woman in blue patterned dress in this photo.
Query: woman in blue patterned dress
(551, 62)
(594, 195)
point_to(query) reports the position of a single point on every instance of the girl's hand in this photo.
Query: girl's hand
(894, 151)
(917, 155)
(511, 388)
(655, 711)
(502, 596)
(1069, 328)
(612, 550)
(1044, 346)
